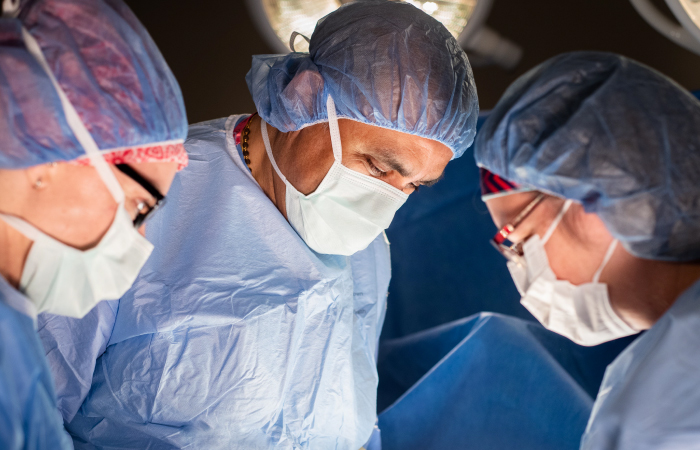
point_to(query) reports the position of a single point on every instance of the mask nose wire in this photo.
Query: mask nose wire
(556, 221)
(76, 124)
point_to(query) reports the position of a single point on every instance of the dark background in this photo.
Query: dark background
(209, 44)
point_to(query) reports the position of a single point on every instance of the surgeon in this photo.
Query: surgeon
(254, 324)
(594, 161)
(92, 128)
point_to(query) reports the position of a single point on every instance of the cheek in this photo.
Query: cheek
(571, 260)
(306, 172)
(76, 209)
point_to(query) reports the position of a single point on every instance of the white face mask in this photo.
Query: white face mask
(63, 280)
(66, 281)
(347, 211)
(581, 313)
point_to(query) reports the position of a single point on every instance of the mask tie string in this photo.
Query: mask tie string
(292, 39)
(79, 129)
(556, 221)
(335, 130)
(606, 259)
(268, 149)
(10, 8)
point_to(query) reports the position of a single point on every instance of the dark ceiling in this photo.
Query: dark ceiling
(209, 44)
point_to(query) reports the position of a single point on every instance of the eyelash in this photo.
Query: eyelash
(377, 172)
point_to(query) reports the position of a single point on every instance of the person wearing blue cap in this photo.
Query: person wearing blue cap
(254, 324)
(592, 162)
(92, 128)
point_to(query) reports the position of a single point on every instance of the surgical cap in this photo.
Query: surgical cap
(384, 63)
(109, 68)
(612, 134)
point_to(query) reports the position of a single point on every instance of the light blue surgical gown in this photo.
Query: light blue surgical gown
(235, 335)
(28, 415)
(650, 396)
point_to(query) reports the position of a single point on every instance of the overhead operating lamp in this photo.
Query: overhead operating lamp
(277, 19)
(687, 34)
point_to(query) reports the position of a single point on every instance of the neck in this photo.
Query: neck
(14, 248)
(261, 167)
(652, 290)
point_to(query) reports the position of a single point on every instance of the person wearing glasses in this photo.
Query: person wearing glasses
(92, 128)
(595, 160)
(254, 325)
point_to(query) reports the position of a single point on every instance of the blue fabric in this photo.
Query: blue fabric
(384, 63)
(72, 346)
(488, 382)
(650, 397)
(28, 416)
(443, 267)
(108, 66)
(612, 134)
(236, 334)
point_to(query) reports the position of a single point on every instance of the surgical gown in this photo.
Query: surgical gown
(650, 395)
(28, 416)
(235, 335)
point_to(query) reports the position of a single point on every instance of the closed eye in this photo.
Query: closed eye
(374, 170)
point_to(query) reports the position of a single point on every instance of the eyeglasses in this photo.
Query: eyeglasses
(142, 215)
(514, 252)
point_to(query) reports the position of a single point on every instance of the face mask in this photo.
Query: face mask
(581, 313)
(66, 281)
(347, 211)
(63, 280)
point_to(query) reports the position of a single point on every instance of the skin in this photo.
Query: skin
(404, 161)
(640, 290)
(72, 205)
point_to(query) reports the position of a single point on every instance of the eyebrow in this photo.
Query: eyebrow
(387, 158)
(432, 182)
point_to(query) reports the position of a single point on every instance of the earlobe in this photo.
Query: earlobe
(39, 176)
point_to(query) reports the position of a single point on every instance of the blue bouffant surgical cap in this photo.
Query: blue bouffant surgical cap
(109, 68)
(612, 134)
(384, 63)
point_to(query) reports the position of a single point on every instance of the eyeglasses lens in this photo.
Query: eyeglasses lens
(141, 217)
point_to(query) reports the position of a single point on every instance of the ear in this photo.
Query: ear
(39, 176)
(303, 90)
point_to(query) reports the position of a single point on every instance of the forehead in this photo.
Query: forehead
(408, 147)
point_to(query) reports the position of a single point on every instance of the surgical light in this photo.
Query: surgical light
(277, 19)
(687, 12)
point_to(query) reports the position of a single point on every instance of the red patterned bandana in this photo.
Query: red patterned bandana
(239, 129)
(173, 151)
(494, 186)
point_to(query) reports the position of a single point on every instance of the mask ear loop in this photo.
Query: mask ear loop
(27, 229)
(606, 259)
(556, 221)
(335, 130)
(76, 124)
